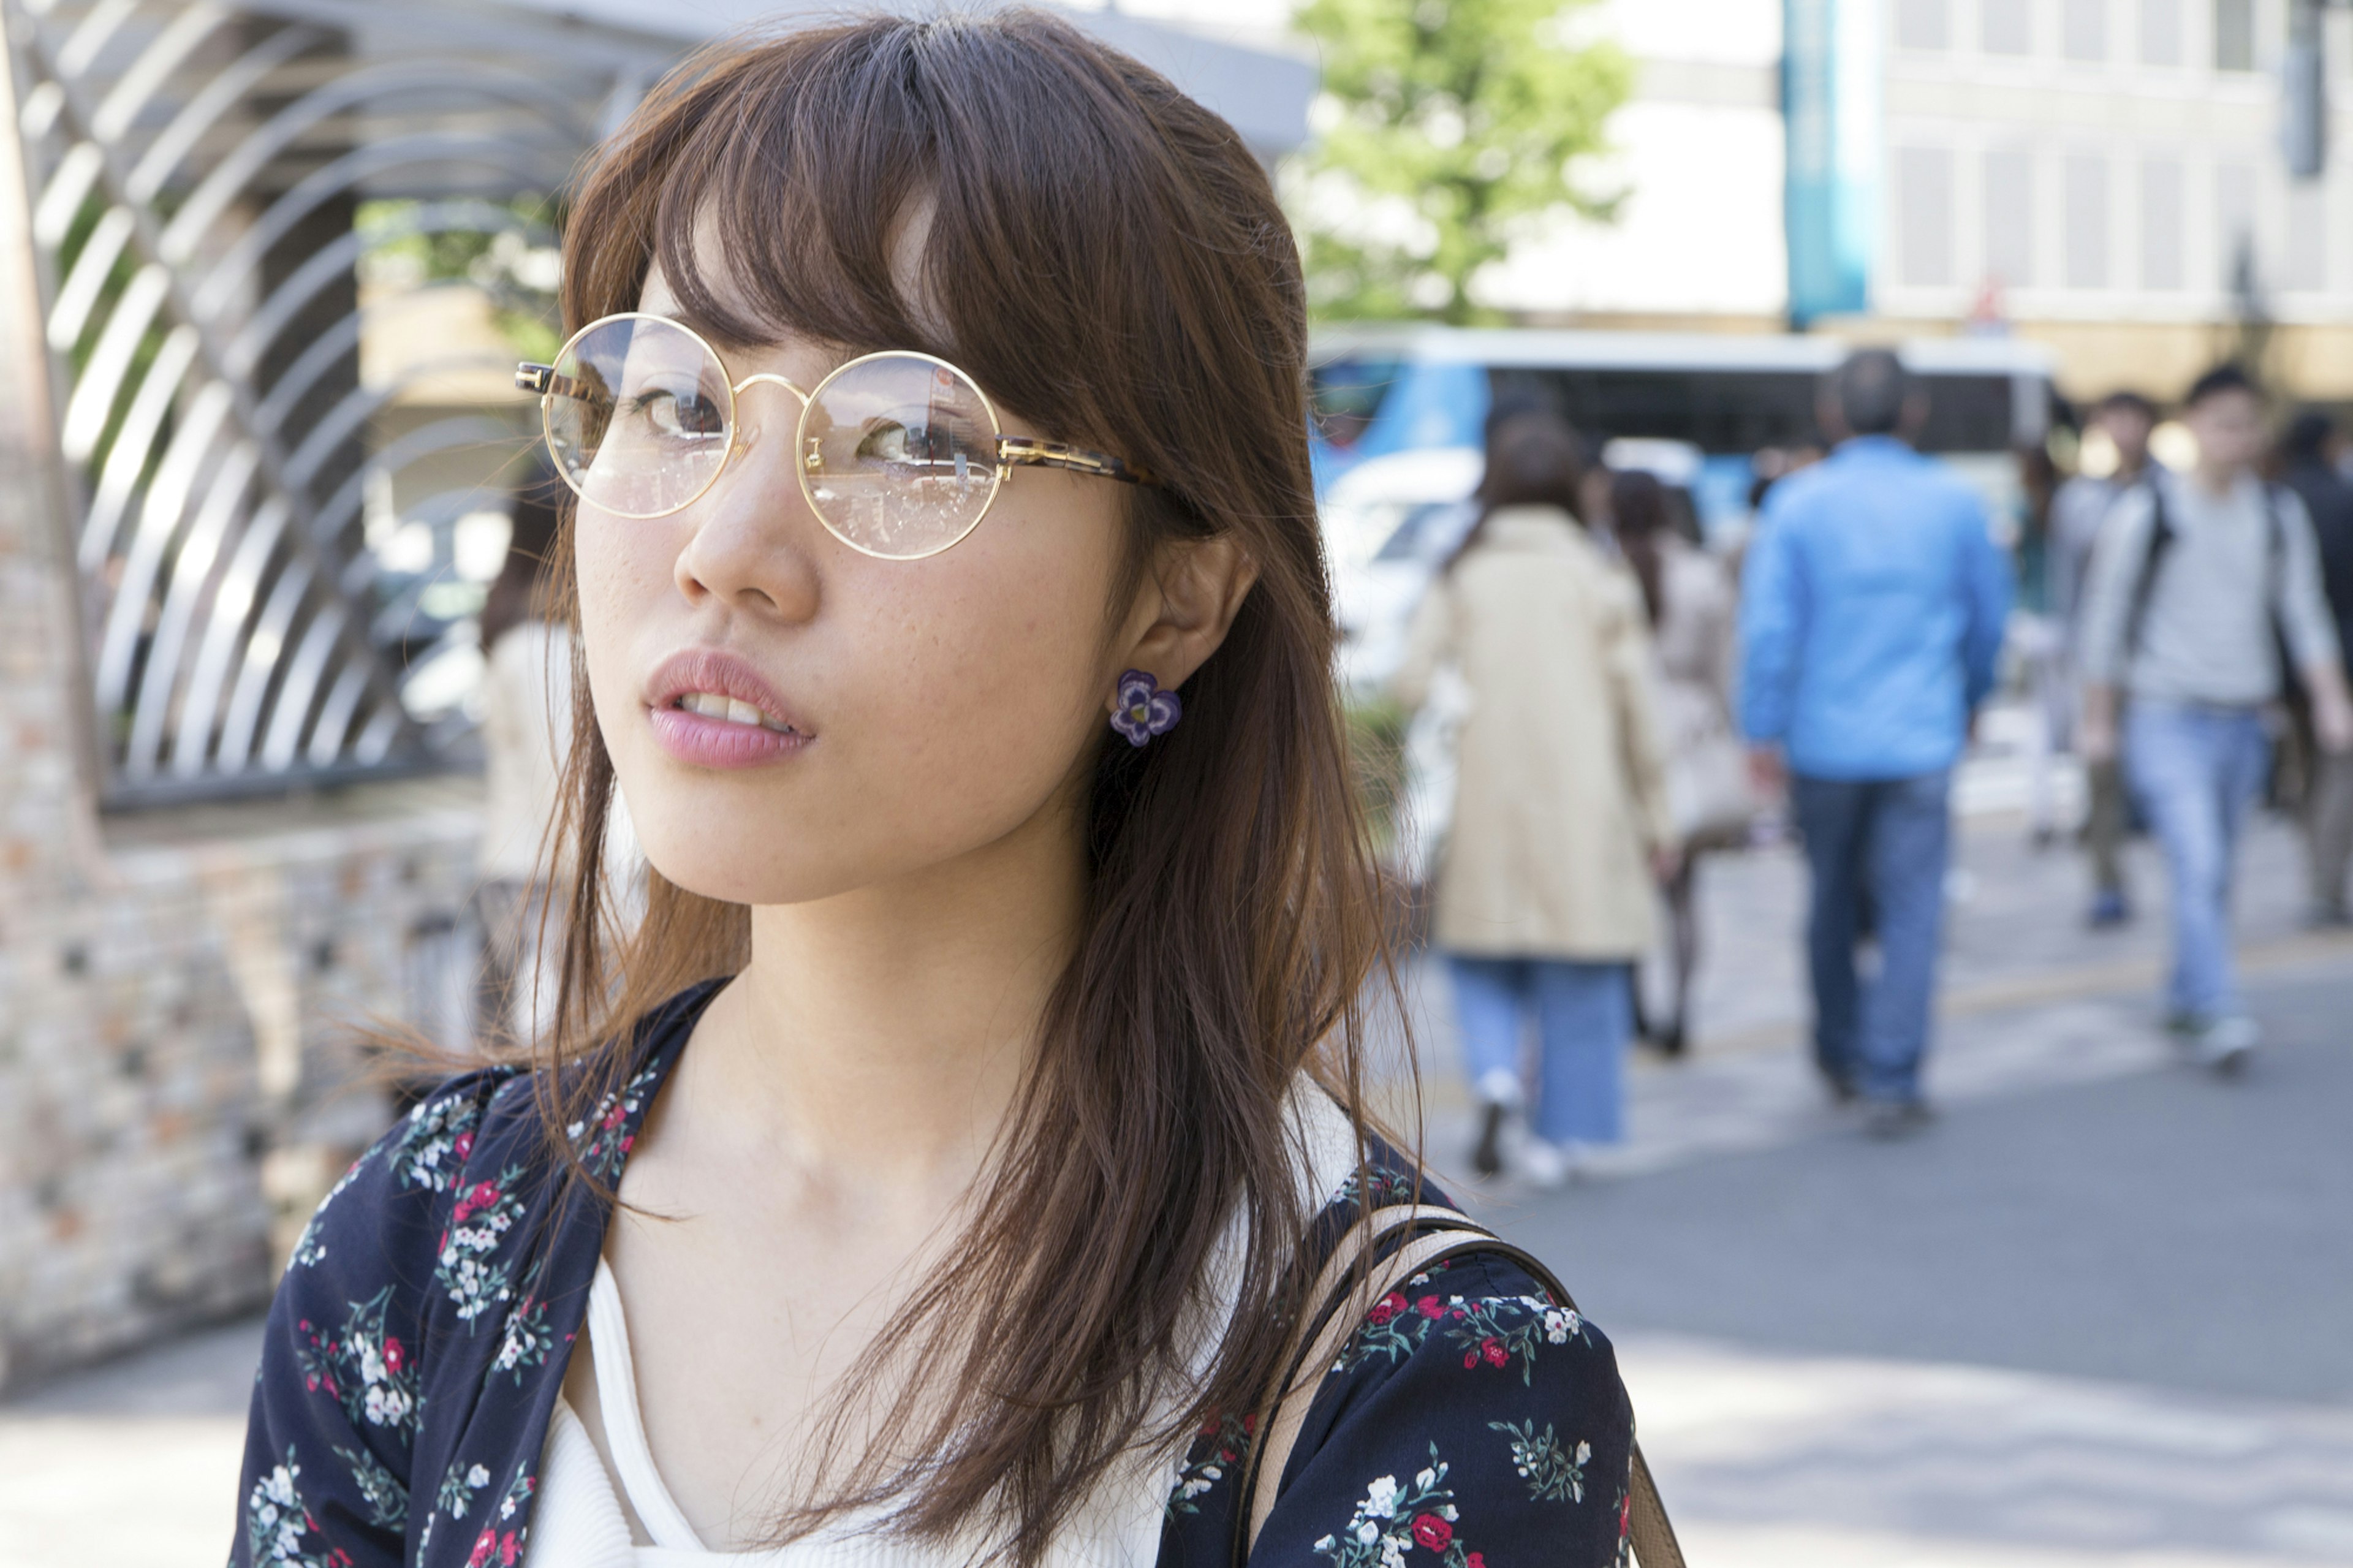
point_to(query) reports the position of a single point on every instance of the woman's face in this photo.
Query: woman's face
(912, 712)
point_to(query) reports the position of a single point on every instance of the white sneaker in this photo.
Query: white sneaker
(1543, 1165)
(1499, 1086)
(2225, 1043)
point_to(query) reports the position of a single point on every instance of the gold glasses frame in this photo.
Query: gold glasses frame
(1012, 452)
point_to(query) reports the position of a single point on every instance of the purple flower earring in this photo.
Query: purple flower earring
(1145, 710)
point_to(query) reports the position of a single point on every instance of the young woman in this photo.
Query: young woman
(1544, 892)
(1694, 613)
(937, 1172)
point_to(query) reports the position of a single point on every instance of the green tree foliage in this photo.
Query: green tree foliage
(1449, 128)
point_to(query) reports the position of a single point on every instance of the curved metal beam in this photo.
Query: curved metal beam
(334, 720)
(120, 110)
(160, 512)
(102, 377)
(346, 173)
(91, 35)
(263, 647)
(69, 186)
(86, 281)
(204, 111)
(224, 621)
(134, 442)
(193, 573)
(376, 742)
(291, 709)
(238, 169)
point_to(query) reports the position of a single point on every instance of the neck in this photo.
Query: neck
(876, 1039)
(2216, 479)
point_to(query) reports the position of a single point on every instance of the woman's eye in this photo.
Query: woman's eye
(680, 414)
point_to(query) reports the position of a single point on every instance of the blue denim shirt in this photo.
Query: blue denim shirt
(1871, 613)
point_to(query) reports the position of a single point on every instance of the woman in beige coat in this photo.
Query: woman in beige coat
(1694, 613)
(1545, 888)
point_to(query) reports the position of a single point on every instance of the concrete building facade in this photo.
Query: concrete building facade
(2105, 176)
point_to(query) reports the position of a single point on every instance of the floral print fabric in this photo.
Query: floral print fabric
(419, 1338)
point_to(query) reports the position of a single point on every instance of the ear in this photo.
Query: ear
(1182, 610)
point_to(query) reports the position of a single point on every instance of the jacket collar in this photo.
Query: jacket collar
(1533, 528)
(1876, 449)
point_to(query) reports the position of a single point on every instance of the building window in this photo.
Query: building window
(2010, 217)
(2087, 221)
(1924, 178)
(2160, 32)
(2234, 35)
(1921, 24)
(2084, 29)
(2160, 224)
(2006, 26)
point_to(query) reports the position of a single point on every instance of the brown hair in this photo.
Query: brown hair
(1638, 510)
(1108, 259)
(1534, 458)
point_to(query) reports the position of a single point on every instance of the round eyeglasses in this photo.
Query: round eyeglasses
(899, 453)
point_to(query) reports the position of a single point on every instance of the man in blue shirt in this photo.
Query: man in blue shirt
(1872, 611)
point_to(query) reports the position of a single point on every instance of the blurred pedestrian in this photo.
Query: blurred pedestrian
(1693, 614)
(2313, 453)
(2197, 582)
(2126, 419)
(1871, 616)
(1545, 890)
(526, 730)
(2035, 635)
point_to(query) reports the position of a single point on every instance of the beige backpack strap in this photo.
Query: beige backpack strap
(1278, 1426)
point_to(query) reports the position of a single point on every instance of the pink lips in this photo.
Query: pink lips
(705, 742)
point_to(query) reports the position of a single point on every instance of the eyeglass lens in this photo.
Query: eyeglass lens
(898, 456)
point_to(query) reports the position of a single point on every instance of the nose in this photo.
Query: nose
(754, 544)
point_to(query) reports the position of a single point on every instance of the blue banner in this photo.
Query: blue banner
(1829, 111)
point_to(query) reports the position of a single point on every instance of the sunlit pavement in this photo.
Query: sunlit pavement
(2096, 1315)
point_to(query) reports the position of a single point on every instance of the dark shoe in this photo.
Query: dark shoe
(1889, 1119)
(2327, 917)
(1487, 1159)
(1672, 1044)
(2108, 912)
(1842, 1088)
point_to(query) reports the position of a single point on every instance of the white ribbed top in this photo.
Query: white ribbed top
(579, 1522)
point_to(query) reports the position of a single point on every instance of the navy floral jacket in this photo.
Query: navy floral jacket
(419, 1340)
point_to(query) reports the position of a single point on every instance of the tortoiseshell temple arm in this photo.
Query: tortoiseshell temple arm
(543, 378)
(1022, 450)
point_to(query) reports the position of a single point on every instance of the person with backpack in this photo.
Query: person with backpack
(2198, 583)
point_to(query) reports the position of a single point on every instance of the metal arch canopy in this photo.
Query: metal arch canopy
(1261, 86)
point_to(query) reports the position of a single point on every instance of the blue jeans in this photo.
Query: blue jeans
(1584, 1016)
(1886, 841)
(2196, 769)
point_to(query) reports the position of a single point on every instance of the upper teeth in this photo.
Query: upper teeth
(711, 705)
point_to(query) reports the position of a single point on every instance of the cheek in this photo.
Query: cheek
(983, 693)
(623, 572)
